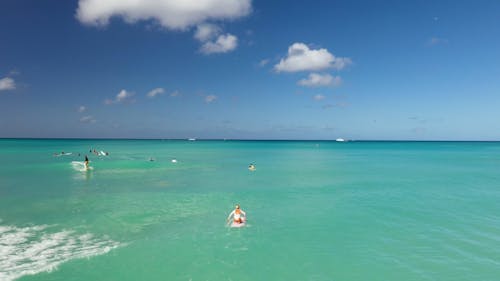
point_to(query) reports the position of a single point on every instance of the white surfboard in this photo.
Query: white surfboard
(235, 224)
(80, 166)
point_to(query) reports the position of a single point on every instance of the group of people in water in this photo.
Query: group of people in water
(238, 216)
(86, 161)
(99, 153)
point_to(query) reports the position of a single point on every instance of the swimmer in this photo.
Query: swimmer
(86, 162)
(237, 215)
(251, 167)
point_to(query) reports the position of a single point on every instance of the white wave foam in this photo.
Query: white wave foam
(35, 249)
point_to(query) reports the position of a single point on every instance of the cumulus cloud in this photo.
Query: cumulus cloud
(263, 62)
(301, 58)
(213, 41)
(206, 31)
(320, 80)
(171, 14)
(87, 119)
(223, 44)
(210, 98)
(121, 97)
(82, 108)
(7, 83)
(155, 92)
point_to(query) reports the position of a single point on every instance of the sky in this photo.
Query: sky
(243, 69)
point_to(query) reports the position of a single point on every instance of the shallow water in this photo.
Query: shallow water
(316, 210)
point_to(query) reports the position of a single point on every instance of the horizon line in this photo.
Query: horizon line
(243, 139)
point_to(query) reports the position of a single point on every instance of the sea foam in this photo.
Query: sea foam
(34, 249)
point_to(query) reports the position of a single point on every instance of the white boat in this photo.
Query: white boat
(191, 139)
(340, 140)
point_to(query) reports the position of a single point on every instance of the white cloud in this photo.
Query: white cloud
(122, 96)
(320, 80)
(7, 83)
(87, 119)
(319, 97)
(263, 62)
(341, 63)
(213, 41)
(223, 44)
(301, 58)
(82, 109)
(156, 92)
(171, 14)
(206, 31)
(210, 98)
(175, 93)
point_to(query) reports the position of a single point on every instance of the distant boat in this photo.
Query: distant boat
(340, 140)
(191, 139)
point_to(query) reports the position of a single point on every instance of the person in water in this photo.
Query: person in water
(86, 162)
(237, 215)
(251, 167)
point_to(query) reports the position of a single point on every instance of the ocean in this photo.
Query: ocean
(316, 210)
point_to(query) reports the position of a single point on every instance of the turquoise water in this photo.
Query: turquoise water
(316, 210)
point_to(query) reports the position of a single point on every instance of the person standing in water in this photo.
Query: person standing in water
(237, 215)
(86, 162)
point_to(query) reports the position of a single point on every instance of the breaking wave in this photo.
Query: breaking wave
(34, 249)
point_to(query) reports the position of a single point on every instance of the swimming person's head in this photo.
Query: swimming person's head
(237, 206)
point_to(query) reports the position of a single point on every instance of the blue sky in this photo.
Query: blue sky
(407, 70)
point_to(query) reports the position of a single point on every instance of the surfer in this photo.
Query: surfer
(237, 215)
(86, 162)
